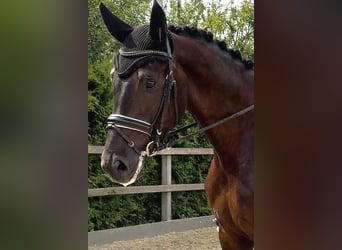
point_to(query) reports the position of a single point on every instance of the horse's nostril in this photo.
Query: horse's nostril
(120, 165)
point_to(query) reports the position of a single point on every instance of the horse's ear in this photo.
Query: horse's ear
(118, 28)
(158, 25)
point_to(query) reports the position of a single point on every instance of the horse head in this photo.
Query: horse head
(145, 102)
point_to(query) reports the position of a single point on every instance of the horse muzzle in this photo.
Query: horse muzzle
(119, 169)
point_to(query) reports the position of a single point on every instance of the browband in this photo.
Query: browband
(143, 53)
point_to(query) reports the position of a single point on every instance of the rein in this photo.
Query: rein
(172, 141)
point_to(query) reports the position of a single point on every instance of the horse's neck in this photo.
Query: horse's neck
(217, 87)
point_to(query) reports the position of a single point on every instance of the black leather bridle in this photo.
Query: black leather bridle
(118, 121)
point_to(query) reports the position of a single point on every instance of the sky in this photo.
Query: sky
(236, 2)
(224, 2)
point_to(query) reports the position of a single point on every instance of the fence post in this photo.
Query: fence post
(166, 180)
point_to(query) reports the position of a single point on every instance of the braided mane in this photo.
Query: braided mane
(208, 36)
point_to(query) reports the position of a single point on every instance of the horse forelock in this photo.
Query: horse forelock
(208, 37)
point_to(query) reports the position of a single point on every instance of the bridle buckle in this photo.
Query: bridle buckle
(151, 148)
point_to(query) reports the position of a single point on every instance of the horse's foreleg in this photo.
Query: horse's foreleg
(216, 186)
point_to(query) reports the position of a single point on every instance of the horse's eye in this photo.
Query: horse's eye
(150, 83)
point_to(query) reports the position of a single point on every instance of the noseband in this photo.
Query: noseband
(118, 121)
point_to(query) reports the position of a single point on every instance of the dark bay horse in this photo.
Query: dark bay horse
(160, 73)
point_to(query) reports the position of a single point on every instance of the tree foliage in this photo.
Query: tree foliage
(228, 22)
(231, 23)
